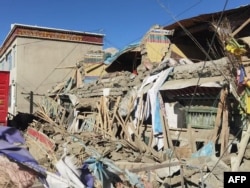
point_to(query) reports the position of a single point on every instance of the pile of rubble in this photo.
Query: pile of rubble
(171, 123)
(101, 126)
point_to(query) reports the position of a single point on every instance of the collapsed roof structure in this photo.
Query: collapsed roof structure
(172, 109)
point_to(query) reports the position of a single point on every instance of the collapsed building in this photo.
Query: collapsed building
(170, 110)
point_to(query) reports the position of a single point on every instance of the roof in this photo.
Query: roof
(31, 31)
(128, 48)
(54, 29)
(207, 17)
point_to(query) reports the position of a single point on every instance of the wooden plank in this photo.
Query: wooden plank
(111, 128)
(236, 161)
(182, 176)
(166, 137)
(155, 166)
(241, 27)
(101, 123)
(191, 139)
(224, 135)
(219, 115)
(140, 118)
(168, 143)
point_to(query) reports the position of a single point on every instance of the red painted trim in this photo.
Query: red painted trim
(42, 138)
(56, 35)
(49, 34)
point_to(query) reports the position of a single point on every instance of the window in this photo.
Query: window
(14, 56)
(94, 57)
(158, 38)
(9, 60)
(2, 64)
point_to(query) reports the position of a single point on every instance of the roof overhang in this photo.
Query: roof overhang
(207, 18)
(201, 82)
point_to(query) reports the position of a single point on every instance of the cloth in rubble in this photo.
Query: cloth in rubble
(21, 177)
(148, 81)
(242, 74)
(152, 103)
(102, 169)
(154, 100)
(11, 135)
(86, 177)
(11, 141)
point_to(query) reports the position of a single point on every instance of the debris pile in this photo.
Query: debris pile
(161, 121)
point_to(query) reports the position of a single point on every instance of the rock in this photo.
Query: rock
(245, 166)
(247, 153)
(167, 171)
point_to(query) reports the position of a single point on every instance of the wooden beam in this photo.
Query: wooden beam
(154, 167)
(236, 161)
(192, 141)
(241, 27)
(225, 129)
(217, 124)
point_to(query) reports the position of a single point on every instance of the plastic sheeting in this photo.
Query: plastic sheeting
(206, 151)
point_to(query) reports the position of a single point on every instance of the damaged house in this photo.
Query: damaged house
(171, 110)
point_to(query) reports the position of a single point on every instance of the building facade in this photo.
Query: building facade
(38, 58)
(94, 66)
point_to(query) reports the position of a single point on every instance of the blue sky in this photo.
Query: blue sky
(121, 21)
